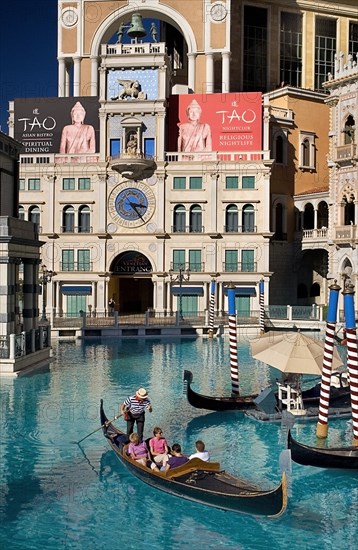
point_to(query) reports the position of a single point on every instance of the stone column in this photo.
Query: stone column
(76, 76)
(94, 77)
(209, 73)
(61, 77)
(29, 288)
(191, 71)
(225, 86)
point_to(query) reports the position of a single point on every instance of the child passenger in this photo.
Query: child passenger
(137, 450)
(158, 446)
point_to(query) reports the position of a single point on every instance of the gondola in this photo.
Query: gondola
(199, 401)
(202, 482)
(335, 457)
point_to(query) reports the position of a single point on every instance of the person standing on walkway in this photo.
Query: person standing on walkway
(133, 410)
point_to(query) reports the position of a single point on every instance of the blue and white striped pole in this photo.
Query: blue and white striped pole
(211, 310)
(261, 303)
(352, 355)
(233, 342)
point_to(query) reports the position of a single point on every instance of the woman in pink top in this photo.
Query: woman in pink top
(158, 446)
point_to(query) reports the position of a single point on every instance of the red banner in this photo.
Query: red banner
(215, 122)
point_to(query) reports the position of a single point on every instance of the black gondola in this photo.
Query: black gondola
(345, 458)
(202, 482)
(199, 401)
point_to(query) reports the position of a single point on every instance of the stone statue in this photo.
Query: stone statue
(132, 89)
(153, 32)
(120, 33)
(132, 145)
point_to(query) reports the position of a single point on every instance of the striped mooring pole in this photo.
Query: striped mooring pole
(325, 392)
(233, 342)
(211, 310)
(261, 303)
(352, 355)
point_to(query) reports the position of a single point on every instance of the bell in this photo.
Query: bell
(136, 30)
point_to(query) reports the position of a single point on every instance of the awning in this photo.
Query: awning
(188, 291)
(243, 291)
(79, 290)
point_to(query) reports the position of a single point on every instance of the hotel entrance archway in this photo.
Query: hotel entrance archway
(131, 285)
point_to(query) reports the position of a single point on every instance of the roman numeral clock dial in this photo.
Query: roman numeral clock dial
(131, 204)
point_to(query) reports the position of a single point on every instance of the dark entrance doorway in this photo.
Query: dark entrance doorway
(131, 283)
(135, 295)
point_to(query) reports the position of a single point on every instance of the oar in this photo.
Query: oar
(96, 430)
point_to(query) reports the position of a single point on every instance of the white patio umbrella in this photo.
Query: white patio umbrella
(292, 352)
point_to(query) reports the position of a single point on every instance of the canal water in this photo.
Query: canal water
(58, 494)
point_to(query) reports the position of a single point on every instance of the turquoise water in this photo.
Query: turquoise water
(57, 494)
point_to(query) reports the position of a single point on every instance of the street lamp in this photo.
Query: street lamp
(183, 275)
(45, 277)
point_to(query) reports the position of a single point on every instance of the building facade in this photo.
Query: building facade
(128, 208)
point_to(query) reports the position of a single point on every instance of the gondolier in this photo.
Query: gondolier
(133, 410)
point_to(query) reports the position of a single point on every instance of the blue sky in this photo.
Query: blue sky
(28, 51)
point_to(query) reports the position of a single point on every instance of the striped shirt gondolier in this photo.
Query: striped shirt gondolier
(136, 407)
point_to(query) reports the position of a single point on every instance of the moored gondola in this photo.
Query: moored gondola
(199, 401)
(202, 482)
(334, 457)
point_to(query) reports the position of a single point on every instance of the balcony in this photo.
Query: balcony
(192, 267)
(76, 266)
(80, 229)
(345, 234)
(188, 229)
(240, 267)
(240, 229)
(215, 156)
(345, 153)
(134, 49)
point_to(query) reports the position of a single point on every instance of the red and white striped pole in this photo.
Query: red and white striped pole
(211, 310)
(322, 424)
(352, 355)
(233, 342)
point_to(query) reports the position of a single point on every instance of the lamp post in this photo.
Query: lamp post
(183, 275)
(45, 277)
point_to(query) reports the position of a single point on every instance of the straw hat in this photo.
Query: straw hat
(141, 393)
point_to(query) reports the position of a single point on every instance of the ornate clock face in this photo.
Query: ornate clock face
(69, 17)
(131, 204)
(218, 12)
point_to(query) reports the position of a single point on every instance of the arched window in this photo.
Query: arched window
(248, 219)
(308, 217)
(279, 149)
(349, 130)
(68, 219)
(349, 215)
(322, 218)
(21, 213)
(315, 290)
(34, 215)
(179, 219)
(305, 152)
(84, 219)
(195, 219)
(231, 219)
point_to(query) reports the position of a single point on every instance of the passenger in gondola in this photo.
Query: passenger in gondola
(176, 459)
(133, 409)
(200, 452)
(138, 451)
(158, 446)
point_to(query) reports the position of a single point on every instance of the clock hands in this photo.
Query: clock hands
(135, 206)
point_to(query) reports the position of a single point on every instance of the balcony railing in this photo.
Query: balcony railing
(195, 267)
(188, 229)
(133, 49)
(240, 267)
(240, 229)
(76, 266)
(215, 156)
(345, 152)
(79, 229)
(309, 234)
(345, 233)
